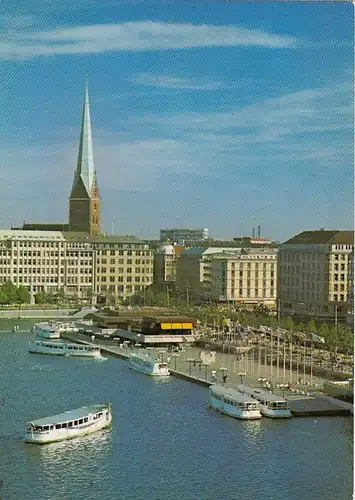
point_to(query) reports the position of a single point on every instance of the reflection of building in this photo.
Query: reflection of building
(182, 235)
(350, 315)
(313, 273)
(247, 277)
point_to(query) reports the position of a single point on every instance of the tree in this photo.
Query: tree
(312, 327)
(289, 323)
(23, 295)
(10, 290)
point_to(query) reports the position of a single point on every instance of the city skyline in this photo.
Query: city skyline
(200, 118)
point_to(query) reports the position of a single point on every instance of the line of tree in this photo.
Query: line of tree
(12, 294)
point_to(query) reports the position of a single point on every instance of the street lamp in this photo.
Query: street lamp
(241, 375)
(224, 372)
(138, 346)
(205, 365)
(175, 356)
(190, 361)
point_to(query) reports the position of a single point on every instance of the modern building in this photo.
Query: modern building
(109, 268)
(193, 271)
(84, 201)
(180, 236)
(248, 277)
(313, 274)
(165, 259)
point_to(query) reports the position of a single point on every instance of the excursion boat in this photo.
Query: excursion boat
(150, 366)
(233, 403)
(69, 425)
(270, 405)
(63, 349)
(47, 330)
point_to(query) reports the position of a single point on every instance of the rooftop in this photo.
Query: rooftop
(69, 415)
(322, 237)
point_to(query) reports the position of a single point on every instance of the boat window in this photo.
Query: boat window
(80, 421)
(75, 422)
(65, 425)
(46, 428)
(86, 419)
(70, 424)
(58, 426)
(272, 405)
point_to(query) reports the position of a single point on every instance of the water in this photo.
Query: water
(165, 443)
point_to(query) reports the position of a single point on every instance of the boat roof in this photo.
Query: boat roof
(143, 357)
(69, 415)
(231, 393)
(259, 392)
(66, 344)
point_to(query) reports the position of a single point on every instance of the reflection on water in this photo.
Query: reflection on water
(253, 429)
(162, 380)
(54, 453)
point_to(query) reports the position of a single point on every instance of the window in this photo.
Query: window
(341, 297)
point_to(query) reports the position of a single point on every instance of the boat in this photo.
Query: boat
(150, 366)
(47, 330)
(270, 405)
(233, 403)
(69, 425)
(64, 349)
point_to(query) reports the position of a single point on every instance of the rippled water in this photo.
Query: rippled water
(165, 443)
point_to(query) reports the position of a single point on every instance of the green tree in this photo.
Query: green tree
(23, 295)
(289, 324)
(40, 298)
(312, 327)
(3, 297)
(301, 327)
(10, 291)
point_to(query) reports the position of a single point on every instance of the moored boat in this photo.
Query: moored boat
(64, 349)
(233, 403)
(47, 330)
(271, 405)
(150, 366)
(69, 425)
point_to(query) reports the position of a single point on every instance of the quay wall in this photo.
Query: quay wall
(36, 313)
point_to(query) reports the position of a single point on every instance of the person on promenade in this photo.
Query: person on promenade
(224, 378)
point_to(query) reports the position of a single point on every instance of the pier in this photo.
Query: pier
(309, 401)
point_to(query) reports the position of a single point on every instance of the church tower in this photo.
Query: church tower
(84, 201)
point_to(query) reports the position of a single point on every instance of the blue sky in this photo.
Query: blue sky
(222, 115)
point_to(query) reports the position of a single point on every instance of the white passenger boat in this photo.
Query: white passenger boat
(270, 405)
(150, 366)
(233, 403)
(69, 425)
(47, 330)
(63, 349)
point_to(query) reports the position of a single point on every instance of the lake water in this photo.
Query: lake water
(165, 443)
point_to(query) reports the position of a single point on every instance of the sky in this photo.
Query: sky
(221, 115)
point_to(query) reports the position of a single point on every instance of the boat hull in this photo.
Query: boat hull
(67, 434)
(275, 413)
(149, 372)
(233, 411)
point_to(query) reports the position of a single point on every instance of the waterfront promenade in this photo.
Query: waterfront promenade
(188, 362)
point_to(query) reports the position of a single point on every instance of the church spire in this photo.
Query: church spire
(85, 167)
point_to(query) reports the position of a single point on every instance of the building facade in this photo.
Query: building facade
(350, 314)
(313, 274)
(84, 201)
(87, 267)
(248, 277)
(182, 235)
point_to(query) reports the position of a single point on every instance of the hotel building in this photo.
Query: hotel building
(313, 273)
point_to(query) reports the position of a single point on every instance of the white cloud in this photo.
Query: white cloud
(133, 36)
(171, 82)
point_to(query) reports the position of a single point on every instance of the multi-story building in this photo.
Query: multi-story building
(248, 277)
(181, 235)
(313, 273)
(123, 266)
(350, 315)
(165, 259)
(193, 270)
(83, 266)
